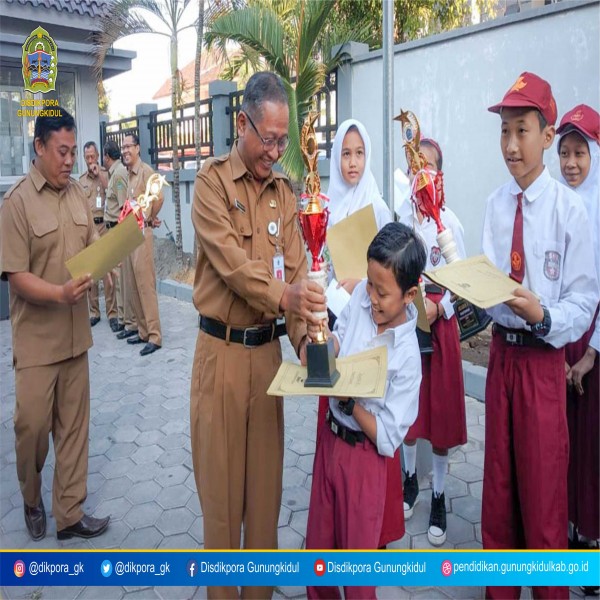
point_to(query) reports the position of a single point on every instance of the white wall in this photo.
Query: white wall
(449, 81)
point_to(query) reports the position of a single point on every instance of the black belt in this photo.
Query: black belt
(518, 337)
(350, 436)
(432, 288)
(98, 220)
(250, 337)
(110, 224)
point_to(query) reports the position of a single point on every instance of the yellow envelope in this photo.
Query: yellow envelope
(107, 252)
(348, 242)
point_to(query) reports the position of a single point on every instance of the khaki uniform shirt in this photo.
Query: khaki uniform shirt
(136, 185)
(234, 280)
(93, 187)
(116, 192)
(40, 229)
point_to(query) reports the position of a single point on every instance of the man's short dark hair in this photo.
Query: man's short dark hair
(90, 144)
(44, 126)
(397, 247)
(263, 87)
(112, 150)
(134, 136)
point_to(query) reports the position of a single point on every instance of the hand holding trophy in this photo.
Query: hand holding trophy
(320, 355)
(141, 207)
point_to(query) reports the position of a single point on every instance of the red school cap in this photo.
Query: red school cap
(529, 90)
(582, 118)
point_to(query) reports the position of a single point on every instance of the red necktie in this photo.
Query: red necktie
(517, 252)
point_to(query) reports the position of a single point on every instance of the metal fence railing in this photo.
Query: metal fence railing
(117, 131)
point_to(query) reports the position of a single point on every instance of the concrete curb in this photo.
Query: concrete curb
(474, 375)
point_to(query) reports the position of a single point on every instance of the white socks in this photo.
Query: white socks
(440, 466)
(410, 458)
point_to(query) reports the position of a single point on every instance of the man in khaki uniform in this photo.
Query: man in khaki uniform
(94, 182)
(244, 215)
(116, 194)
(45, 220)
(139, 268)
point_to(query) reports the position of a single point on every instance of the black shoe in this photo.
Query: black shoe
(590, 591)
(436, 534)
(136, 339)
(120, 327)
(126, 333)
(411, 494)
(35, 519)
(114, 325)
(94, 321)
(87, 527)
(149, 348)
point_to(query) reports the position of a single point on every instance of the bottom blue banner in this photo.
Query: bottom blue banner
(299, 568)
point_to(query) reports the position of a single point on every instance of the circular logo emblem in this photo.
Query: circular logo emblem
(320, 568)
(435, 255)
(446, 568)
(515, 261)
(272, 228)
(106, 568)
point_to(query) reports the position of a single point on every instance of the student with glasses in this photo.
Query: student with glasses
(251, 270)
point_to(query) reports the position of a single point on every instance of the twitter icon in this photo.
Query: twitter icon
(106, 568)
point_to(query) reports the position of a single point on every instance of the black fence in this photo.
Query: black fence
(161, 140)
(117, 131)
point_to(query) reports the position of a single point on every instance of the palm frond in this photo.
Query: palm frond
(315, 17)
(292, 161)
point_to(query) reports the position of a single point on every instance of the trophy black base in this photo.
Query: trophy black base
(471, 319)
(320, 364)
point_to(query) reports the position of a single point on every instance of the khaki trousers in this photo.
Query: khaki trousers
(143, 290)
(127, 284)
(237, 447)
(109, 290)
(54, 399)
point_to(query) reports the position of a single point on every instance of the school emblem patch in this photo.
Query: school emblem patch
(435, 256)
(552, 265)
(515, 261)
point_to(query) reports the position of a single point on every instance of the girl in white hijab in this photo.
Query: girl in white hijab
(579, 152)
(352, 186)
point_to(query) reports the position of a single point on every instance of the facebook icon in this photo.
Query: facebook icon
(192, 568)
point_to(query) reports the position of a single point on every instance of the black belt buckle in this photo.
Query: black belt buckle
(245, 341)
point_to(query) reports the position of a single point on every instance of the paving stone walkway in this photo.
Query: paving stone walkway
(140, 466)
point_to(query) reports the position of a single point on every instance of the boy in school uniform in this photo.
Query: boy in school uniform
(535, 229)
(348, 492)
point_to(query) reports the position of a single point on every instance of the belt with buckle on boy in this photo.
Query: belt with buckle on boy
(250, 337)
(518, 337)
(350, 436)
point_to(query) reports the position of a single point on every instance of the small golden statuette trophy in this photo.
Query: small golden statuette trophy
(320, 355)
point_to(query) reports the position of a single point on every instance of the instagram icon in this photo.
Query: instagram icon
(19, 568)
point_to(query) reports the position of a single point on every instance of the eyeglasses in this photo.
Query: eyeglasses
(270, 143)
(127, 146)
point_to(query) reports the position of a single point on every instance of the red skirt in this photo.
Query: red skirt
(583, 416)
(442, 419)
(393, 515)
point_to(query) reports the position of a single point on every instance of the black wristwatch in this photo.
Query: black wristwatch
(347, 407)
(542, 328)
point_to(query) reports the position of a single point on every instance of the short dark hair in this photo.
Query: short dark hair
(90, 145)
(44, 126)
(134, 136)
(397, 247)
(263, 87)
(112, 150)
(439, 161)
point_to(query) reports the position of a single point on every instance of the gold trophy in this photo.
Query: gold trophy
(320, 355)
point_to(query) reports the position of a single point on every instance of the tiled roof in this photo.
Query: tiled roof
(89, 8)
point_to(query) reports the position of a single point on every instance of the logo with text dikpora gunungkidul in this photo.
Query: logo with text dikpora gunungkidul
(40, 62)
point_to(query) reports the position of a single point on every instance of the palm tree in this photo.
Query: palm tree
(127, 17)
(290, 37)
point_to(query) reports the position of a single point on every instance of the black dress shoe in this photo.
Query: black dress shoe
(126, 333)
(35, 519)
(87, 527)
(94, 321)
(136, 340)
(114, 325)
(149, 348)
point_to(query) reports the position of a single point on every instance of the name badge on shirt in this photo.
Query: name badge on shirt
(98, 199)
(278, 266)
(239, 206)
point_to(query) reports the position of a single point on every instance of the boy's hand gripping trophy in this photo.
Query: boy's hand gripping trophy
(320, 355)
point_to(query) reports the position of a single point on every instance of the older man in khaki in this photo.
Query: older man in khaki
(140, 267)
(94, 182)
(45, 220)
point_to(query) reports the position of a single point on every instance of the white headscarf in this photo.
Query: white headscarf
(345, 199)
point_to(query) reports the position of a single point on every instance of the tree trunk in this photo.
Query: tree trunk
(197, 82)
(175, 149)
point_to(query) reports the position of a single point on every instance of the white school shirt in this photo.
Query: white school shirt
(559, 257)
(397, 409)
(427, 230)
